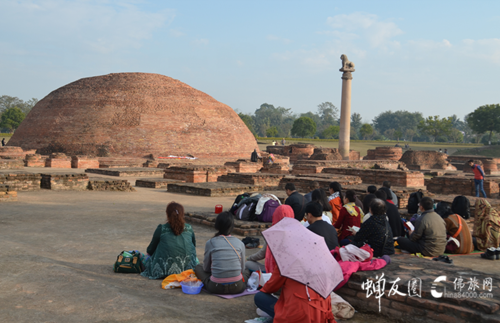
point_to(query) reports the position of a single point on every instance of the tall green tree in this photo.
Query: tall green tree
(366, 131)
(11, 118)
(399, 120)
(356, 123)
(434, 126)
(304, 127)
(7, 102)
(331, 132)
(328, 114)
(485, 118)
(272, 132)
(248, 122)
(267, 116)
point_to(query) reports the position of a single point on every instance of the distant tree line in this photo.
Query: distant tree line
(481, 125)
(13, 111)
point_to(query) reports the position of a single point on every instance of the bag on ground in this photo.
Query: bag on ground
(268, 211)
(128, 262)
(237, 201)
(461, 206)
(244, 211)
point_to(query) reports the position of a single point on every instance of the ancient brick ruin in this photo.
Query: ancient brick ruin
(426, 159)
(384, 153)
(136, 115)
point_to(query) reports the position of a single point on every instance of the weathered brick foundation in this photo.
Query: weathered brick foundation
(213, 189)
(120, 162)
(65, 182)
(154, 182)
(384, 153)
(243, 228)
(261, 179)
(460, 185)
(302, 183)
(424, 308)
(426, 159)
(11, 164)
(126, 172)
(119, 185)
(397, 178)
(6, 195)
(21, 181)
(11, 152)
(195, 174)
(244, 166)
(84, 162)
(316, 166)
(58, 160)
(35, 160)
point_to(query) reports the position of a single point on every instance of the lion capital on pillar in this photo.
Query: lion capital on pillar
(347, 67)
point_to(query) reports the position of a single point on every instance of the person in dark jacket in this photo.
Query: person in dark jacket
(312, 186)
(429, 237)
(313, 214)
(366, 202)
(376, 231)
(255, 156)
(295, 200)
(392, 213)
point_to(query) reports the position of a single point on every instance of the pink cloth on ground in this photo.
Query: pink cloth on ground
(350, 267)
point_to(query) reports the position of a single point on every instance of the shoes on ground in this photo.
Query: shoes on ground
(261, 313)
(444, 258)
(491, 254)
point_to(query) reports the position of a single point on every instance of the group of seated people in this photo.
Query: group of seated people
(340, 218)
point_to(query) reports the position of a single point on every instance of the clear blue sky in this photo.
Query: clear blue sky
(436, 57)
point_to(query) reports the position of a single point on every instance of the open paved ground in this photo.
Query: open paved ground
(58, 249)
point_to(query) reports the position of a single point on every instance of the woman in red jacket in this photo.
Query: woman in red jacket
(296, 304)
(350, 215)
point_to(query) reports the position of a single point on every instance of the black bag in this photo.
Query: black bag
(413, 201)
(443, 209)
(250, 242)
(244, 211)
(461, 206)
(128, 262)
(237, 201)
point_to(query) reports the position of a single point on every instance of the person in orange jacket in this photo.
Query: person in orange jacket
(296, 304)
(335, 200)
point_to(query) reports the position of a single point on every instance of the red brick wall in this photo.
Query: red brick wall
(460, 185)
(84, 162)
(384, 153)
(377, 176)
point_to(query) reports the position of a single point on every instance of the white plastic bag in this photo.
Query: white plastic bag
(253, 281)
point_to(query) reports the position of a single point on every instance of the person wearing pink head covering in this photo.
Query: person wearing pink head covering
(282, 211)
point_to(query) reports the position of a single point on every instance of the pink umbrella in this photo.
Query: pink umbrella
(302, 255)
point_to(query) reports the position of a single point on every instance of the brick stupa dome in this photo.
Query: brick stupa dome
(134, 114)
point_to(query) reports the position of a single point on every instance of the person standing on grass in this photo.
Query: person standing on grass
(3, 142)
(478, 178)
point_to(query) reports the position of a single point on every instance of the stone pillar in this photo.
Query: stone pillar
(345, 108)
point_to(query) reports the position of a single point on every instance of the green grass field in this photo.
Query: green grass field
(363, 146)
